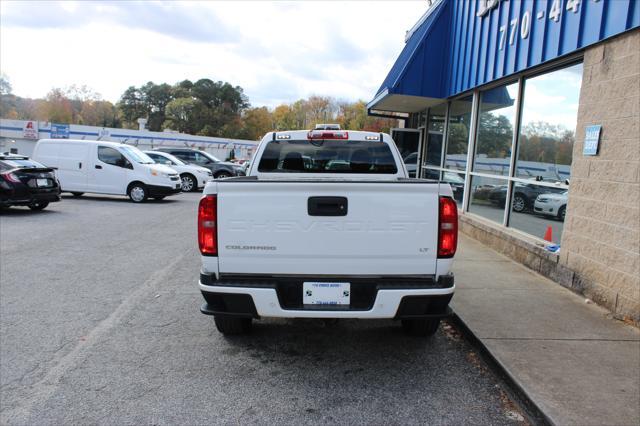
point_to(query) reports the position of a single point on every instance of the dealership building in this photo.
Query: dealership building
(530, 109)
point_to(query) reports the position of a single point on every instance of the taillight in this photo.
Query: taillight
(207, 225)
(10, 177)
(447, 228)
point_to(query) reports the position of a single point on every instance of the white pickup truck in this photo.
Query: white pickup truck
(326, 224)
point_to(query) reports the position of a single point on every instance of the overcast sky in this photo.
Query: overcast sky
(276, 51)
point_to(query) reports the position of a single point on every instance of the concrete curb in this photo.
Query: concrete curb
(516, 389)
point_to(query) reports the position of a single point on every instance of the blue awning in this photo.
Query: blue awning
(417, 80)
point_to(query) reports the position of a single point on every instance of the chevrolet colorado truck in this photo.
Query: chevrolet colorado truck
(327, 224)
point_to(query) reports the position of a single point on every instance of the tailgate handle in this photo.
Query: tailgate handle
(327, 206)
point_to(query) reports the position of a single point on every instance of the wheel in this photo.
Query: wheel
(159, 198)
(39, 205)
(423, 327)
(519, 203)
(562, 212)
(231, 325)
(188, 183)
(138, 192)
(77, 194)
(223, 175)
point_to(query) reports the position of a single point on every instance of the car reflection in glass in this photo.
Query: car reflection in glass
(456, 181)
(524, 195)
(550, 204)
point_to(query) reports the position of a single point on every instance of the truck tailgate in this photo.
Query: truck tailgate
(266, 227)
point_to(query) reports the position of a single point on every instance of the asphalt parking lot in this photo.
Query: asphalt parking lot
(99, 324)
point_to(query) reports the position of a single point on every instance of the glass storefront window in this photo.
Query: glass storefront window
(547, 131)
(407, 141)
(456, 180)
(488, 197)
(458, 133)
(435, 132)
(537, 209)
(496, 124)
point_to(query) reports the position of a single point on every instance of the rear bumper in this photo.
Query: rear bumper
(25, 197)
(157, 191)
(376, 298)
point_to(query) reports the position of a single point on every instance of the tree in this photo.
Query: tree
(219, 105)
(99, 113)
(257, 122)
(57, 107)
(156, 97)
(131, 107)
(353, 115)
(187, 115)
(320, 110)
(495, 134)
(283, 117)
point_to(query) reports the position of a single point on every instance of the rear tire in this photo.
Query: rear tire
(231, 326)
(562, 213)
(39, 205)
(138, 192)
(223, 175)
(520, 203)
(189, 183)
(77, 194)
(422, 327)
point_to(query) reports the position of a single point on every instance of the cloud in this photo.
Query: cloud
(277, 51)
(553, 97)
(195, 23)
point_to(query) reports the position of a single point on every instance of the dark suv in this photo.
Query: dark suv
(220, 169)
(24, 182)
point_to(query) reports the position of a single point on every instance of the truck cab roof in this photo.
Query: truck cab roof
(359, 135)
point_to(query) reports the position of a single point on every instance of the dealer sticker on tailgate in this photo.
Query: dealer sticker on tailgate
(323, 293)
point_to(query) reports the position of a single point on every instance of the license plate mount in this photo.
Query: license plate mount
(42, 182)
(326, 293)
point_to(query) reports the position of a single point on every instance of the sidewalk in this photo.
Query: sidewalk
(576, 364)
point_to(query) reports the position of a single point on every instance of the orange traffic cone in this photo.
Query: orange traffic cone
(548, 236)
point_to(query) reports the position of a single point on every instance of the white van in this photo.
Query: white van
(107, 168)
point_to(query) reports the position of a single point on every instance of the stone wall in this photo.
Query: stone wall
(601, 238)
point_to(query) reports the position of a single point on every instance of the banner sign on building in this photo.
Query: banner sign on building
(59, 131)
(591, 140)
(30, 130)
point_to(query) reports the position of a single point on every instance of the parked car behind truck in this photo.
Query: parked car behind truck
(24, 182)
(193, 177)
(107, 168)
(300, 238)
(220, 169)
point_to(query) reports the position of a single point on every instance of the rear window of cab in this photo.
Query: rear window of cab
(327, 156)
